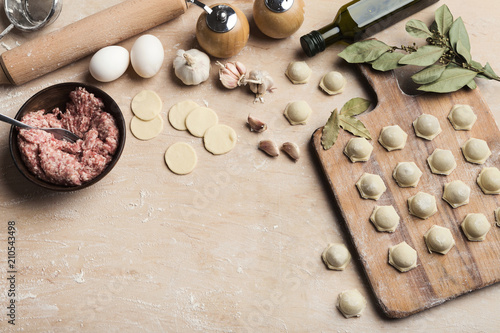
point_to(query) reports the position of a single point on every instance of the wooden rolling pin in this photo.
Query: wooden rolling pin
(82, 38)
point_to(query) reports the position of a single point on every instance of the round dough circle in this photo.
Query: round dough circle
(392, 137)
(220, 139)
(146, 105)
(146, 130)
(181, 158)
(427, 126)
(333, 83)
(456, 193)
(422, 205)
(200, 119)
(351, 303)
(371, 186)
(475, 227)
(462, 117)
(298, 112)
(489, 180)
(439, 239)
(476, 151)
(178, 113)
(298, 72)
(403, 257)
(385, 218)
(407, 174)
(336, 256)
(442, 162)
(358, 149)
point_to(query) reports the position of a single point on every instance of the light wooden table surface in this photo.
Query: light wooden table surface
(232, 247)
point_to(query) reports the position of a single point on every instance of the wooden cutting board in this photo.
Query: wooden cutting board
(469, 265)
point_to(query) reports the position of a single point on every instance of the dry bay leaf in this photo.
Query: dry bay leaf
(354, 126)
(330, 131)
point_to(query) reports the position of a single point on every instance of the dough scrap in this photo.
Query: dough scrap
(489, 180)
(146, 105)
(427, 126)
(476, 151)
(422, 205)
(146, 130)
(333, 83)
(456, 193)
(358, 150)
(439, 239)
(200, 119)
(385, 218)
(371, 186)
(442, 161)
(462, 117)
(181, 158)
(298, 72)
(298, 112)
(336, 256)
(407, 174)
(475, 227)
(402, 257)
(178, 113)
(392, 138)
(220, 139)
(351, 303)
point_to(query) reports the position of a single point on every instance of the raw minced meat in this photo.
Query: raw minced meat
(62, 162)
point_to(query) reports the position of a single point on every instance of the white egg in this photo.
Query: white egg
(109, 63)
(147, 56)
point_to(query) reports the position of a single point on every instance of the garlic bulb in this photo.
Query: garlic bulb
(260, 82)
(192, 67)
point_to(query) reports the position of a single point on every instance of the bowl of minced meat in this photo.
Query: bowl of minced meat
(61, 165)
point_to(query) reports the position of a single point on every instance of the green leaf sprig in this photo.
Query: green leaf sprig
(447, 60)
(345, 119)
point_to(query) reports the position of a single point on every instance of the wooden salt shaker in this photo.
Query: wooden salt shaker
(278, 18)
(222, 30)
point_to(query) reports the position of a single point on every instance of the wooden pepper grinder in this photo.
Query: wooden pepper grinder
(278, 18)
(221, 30)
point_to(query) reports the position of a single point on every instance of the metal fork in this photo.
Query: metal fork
(59, 133)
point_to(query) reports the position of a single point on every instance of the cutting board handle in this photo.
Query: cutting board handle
(82, 38)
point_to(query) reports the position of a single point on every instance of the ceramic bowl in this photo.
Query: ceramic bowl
(57, 96)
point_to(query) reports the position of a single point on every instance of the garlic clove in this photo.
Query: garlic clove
(240, 67)
(269, 147)
(231, 74)
(292, 150)
(260, 82)
(256, 125)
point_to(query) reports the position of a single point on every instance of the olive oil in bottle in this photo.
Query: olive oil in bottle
(359, 19)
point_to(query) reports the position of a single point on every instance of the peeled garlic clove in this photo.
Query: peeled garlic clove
(298, 72)
(292, 150)
(256, 125)
(333, 83)
(269, 147)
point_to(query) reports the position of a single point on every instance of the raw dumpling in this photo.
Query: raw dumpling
(298, 72)
(392, 138)
(371, 186)
(427, 127)
(385, 218)
(298, 112)
(351, 303)
(332, 83)
(489, 180)
(407, 174)
(442, 162)
(462, 117)
(456, 193)
(476, 151)
(422, 205)
(439, 239)
(402, 257)
(336, 256)
(475, 227)
(358, 149)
